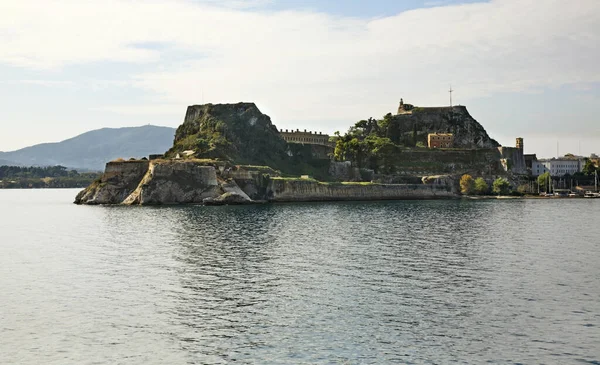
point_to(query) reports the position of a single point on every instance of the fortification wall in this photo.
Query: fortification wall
(181, 182)
(434, 109)
(282, 190)
(513, 160)
(175, 182)
(423, 162)
(127, 167)
(119, 180)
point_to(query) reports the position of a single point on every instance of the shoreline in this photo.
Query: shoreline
(535, 197)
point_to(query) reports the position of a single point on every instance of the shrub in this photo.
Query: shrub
(501, 186)
(467, 184)
(481, 187)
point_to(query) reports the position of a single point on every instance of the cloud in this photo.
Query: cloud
(142, 109)
(237, 4)
(308, 66)
(39, 82)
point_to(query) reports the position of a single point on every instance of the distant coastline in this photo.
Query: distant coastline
(20, 177)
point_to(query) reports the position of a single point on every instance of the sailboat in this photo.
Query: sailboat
(595, 194)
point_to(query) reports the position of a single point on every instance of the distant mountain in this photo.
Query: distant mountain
(8, 163)
(92, 150)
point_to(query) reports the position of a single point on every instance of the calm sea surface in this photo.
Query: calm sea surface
(423, 282)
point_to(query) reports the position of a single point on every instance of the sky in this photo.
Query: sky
(523, 68)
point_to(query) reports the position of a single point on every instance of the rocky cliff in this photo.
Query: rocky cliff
(175, 182)
(468, 133)
(119, 180)
(238, 133)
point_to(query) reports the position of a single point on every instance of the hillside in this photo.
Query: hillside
(238, 133)
(8, 163)
(397, 144)
(91, 150)
(468, 133)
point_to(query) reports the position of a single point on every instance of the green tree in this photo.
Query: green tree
(414, 135)
(481, 187)
(467, 184)
(543, 181)
(501, 186)
(589, 168)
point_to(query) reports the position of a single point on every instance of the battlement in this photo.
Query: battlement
(405, 108)
(306, 137)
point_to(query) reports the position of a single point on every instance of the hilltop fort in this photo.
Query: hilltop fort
(232, 153)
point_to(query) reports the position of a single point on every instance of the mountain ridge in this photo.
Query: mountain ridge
(92, 149)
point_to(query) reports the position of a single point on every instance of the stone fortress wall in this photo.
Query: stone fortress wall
(319, 144)
(307, 137)
(513, 158)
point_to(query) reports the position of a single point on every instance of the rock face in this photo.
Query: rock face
(154, 182)
(175, 182)
(120, 179)
(468, 133)
(238, 133)
(191, 182)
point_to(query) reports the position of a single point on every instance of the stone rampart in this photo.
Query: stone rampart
(285, 190)
(513, 160)
(119, 180)
(422, 162)
(192, 182)
(127, 167)
(175, 182)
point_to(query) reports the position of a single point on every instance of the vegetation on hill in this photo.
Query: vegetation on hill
(379, 144)
(411, 129)
(44, 177)
(234, 132)
(240, 134)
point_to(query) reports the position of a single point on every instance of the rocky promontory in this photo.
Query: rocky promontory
(467, 132)
(196, 181)
(233, 154)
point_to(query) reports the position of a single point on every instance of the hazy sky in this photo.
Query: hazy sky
(528, 68)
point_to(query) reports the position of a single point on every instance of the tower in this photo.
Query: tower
(520, 143)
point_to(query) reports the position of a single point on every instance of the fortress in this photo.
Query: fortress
(233, 154)
(320, 146)
(449, 129)
(307, 137)
(405, 108)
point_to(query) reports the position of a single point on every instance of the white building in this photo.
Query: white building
(556, 166)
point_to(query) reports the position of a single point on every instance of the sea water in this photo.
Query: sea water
(449, 281)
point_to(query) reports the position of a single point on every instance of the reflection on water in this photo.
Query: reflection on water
(383, 282)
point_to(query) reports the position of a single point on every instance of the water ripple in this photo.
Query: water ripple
(414, 282)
